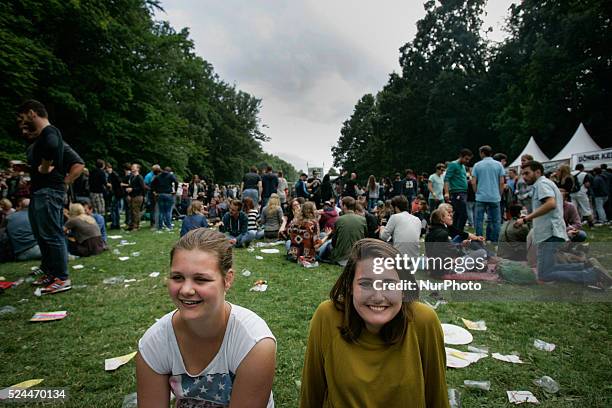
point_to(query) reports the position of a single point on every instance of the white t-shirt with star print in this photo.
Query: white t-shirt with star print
(212, 388)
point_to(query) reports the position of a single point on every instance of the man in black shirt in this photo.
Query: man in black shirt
(164, 187)
(50, 159)
(114, 183)
(135, 190)
(350, 187)
(269, 183)
(251, 186)
(97, 187)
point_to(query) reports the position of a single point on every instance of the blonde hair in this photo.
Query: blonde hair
(195, 207)
(309, 211)
(564, 172)
(446, 207)
(273, 204)
(6, 204)
(77, 210)
(210, 241)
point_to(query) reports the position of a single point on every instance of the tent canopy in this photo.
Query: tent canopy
(579, 143)
(533, 149)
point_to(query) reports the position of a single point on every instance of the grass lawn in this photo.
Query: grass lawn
(106, 321)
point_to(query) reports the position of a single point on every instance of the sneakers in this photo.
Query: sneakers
(36, 272)
(43, 280)
(57, 286)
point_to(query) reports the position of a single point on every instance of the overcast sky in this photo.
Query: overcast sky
(309, 61)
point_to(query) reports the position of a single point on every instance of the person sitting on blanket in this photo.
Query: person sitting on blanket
(513, 239)
(439, 245)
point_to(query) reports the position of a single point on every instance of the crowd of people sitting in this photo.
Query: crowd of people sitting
(319, 220)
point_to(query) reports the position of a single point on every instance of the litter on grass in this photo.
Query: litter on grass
(479, 349)
(114, 280)
(111, 364)
(154, 274)
(270, 250)
(519, 397)
(461, 359)
(509, 358)
(477, 385)
(130, 401)
(79, 266)
(308, 264)
(116, 252)
(124, 258)
(135, 253)
(477, 325)
(38, 292)
(269, 244)
(115, 236)
(454, 398)
(260, 286)
(456, 335)
(258, 257)
(129, 280)
(542, 345)
(435, 305)
(6, 310)
(49, 316)
(547, 384)
(24, 300)
(246, 272)
(250, 249)
(4, 394)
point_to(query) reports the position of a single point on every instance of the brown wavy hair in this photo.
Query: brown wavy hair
(342, 294)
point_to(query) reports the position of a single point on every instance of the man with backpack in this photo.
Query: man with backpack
(579, 193)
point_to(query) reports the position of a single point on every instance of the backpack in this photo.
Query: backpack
(577, 185)
(516, 272)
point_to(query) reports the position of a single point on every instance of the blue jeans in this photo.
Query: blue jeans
(165, 203)
(372, 203)
(581, 236)
(116, 212)
(253, 193)
(599, 209)
(460, 216)
(325, 251)
(471, 212)
(549, 270)
(242, 239)
(256, 234)
(493, 219)
(47, 219)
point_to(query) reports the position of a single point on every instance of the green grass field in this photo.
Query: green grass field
(106, 321)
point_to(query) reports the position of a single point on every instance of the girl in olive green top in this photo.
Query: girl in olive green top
(374, 348)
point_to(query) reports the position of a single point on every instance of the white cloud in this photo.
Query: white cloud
(309, 61)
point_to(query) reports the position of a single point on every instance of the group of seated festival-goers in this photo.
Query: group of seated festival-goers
(366, 347)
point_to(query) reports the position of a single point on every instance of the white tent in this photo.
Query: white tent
(579, 143)
(533, 149)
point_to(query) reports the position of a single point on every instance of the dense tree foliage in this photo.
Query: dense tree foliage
(456, 89)
(123, 87)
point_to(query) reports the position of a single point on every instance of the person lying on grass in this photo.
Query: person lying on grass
(369, 347)
(209, 352)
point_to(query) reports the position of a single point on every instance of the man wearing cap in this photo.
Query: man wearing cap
(301, 188)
